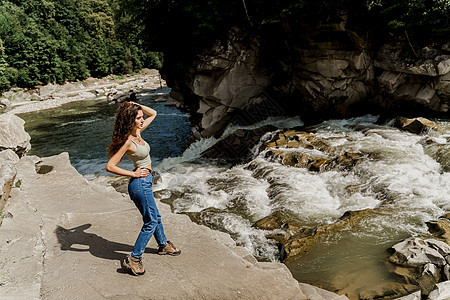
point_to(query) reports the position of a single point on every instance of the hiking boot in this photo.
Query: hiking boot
(169, 249)
(134, 265)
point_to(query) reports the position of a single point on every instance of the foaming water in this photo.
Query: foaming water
(404, 181)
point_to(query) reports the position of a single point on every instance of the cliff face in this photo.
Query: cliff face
(317, 72)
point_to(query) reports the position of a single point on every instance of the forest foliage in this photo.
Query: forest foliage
(44, 41)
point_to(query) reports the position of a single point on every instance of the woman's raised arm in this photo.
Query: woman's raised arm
(150, 112)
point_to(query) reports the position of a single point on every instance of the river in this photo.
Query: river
(407, 181)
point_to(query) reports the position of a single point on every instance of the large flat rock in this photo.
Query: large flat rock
(67, 237)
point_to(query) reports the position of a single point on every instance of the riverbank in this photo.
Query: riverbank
(20, 101)
(65, 237)
(169, 188)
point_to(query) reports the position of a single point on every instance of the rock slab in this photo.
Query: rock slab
(68, 236)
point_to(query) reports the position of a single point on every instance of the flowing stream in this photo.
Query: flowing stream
(406, 181)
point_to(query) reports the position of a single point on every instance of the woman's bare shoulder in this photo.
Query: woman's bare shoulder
(129, 146)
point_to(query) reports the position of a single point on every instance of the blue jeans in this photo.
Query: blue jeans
(140, 191)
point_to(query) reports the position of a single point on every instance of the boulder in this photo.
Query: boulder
(8, 159)
(238, 146)
(304, 150)
(423, 262)
(126, 96)
(86, 95)
(416, 252)
(13, 135)
(441, 228)
(413, 85)
(273, 221)
(415, 125)
(46, 90)
(440, 292)
(414, 296)
(303, 239)
(4, 103)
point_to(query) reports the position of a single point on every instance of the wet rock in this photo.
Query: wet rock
(441, 228)
(237, 147)
(304, 150)
(440, 292)
(13, 135)
(421, 261)
(414, 296)
(281, 229)
(423, 277)
(306, 237)
(273, 221)
(416, 252)
(125, 96)
(386, 291)
(415, 125)
(202, 216)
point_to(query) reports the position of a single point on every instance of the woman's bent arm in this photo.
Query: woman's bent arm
(112, 167)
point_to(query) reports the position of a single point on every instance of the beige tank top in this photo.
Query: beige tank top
(141, 158)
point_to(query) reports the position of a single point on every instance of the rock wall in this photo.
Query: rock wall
(14, 143)
(320, 72)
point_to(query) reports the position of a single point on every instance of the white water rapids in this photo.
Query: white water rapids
(406, 179)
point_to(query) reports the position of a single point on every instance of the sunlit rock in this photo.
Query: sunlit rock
(422, 262)
(13, 135)
(415, 125)
(416, 252)
(440, 292)
(441, 228)
(414, 296)
(306, 237)
(304, 150)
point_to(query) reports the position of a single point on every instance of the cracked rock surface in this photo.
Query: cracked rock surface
(67, 237)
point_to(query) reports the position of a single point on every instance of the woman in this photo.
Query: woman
(128, 125)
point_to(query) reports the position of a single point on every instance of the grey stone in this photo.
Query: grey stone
(430, 269)
(443, 64)
(414, 296)
(328, 68)
(312, 292)
(86, 95)
(13, 135)
(441, 247)
(8, 157)
(440, 292)
(47, 90)
(36, 97)
(446, 272)
(415, 252)
(425, 94)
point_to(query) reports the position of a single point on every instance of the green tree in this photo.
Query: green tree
(4, 82)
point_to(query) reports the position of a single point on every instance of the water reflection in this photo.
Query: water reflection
(84, 129)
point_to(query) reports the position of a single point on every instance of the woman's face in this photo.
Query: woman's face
(139, 121)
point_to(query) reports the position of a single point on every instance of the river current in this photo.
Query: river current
(407, 181)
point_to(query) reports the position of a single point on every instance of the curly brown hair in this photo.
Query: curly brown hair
(123, 125)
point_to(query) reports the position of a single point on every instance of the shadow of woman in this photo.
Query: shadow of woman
(76, 239)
